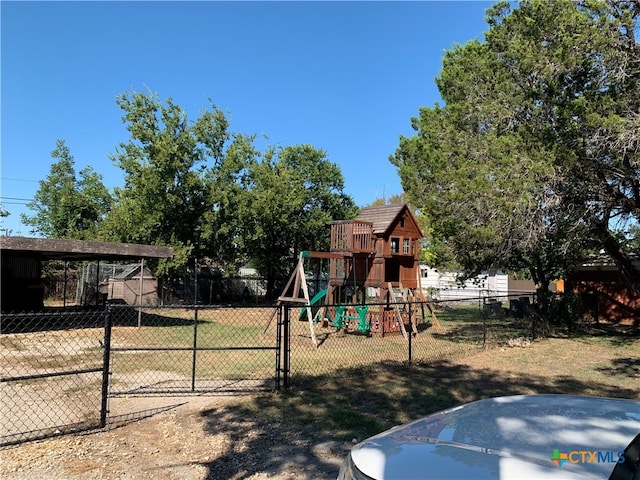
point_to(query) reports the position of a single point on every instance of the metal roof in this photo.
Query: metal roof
(57, 249)
(603, 261)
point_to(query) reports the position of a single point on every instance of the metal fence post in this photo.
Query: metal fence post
(287, 345)
(484, 328)
(410, 333)
(106, 358)
(279, 348)
(195, 349)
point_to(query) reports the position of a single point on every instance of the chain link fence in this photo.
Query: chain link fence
(419, 332)
(58, 369)
(175, 349)
(182, 349)
(53, 379)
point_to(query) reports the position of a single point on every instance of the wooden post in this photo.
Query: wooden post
(305, 291)
(299, 281)
(436, 322)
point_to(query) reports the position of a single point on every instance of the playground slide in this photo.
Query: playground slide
(317, 298)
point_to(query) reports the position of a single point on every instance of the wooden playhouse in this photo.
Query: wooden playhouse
(374, 256)
(376, 253)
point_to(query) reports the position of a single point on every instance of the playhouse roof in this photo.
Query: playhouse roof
(382, 217)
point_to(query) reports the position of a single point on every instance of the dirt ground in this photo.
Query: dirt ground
(178, 439)
(207, 438)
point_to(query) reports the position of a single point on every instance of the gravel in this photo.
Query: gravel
(177, 438)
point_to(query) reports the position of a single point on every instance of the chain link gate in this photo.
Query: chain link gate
(59, 369)
(54, 377)
(194, 349)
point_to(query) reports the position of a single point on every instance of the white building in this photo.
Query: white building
(441, 285)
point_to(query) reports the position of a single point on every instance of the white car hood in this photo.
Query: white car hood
(506, 438)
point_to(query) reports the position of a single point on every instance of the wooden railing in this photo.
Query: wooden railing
(352, 236)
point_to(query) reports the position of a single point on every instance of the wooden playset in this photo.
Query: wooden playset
(376, 256)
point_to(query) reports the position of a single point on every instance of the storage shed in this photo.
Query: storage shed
(604, 294)
(128, 286)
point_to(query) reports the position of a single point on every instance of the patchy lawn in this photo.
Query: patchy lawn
(303, 433)
(358, 402)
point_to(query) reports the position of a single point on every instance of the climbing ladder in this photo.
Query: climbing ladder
(395, 295)
(407, 297)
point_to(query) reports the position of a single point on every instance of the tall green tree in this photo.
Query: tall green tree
(633, 237)
(227, 182)
(533, 158)
(294, 194)
(66, 204)
(171, 171)
(4, 213)
(211, 195)
(392, 200)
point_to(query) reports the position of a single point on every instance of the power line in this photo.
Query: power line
(18, 180)
(15, 200)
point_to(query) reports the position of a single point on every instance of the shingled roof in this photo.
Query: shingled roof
(603, 261)
(382, 217)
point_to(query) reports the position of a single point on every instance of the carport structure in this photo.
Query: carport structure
(22, 257)
(54, 365)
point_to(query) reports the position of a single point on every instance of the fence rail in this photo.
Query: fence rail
(190, 349)
(53, 375)
(58, 370)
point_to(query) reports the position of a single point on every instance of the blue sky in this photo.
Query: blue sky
(345, 77)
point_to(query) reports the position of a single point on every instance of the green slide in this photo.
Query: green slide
(317, 298)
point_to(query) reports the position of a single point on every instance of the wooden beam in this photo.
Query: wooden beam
(397, 309)
(82, 250)
(329, 254)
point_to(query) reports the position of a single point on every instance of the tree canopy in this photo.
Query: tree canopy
(165, 199)
(292, 196)
(533, 159)
(66, 204)
(210, 194)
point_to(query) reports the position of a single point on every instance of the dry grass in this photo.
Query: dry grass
(360, 401)
(353, 386)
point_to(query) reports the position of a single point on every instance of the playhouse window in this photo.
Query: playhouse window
(405, 246)
(395, 245)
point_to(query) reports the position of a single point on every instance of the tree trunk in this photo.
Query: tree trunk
(543, 296)
(630, 274)
(271, 281)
